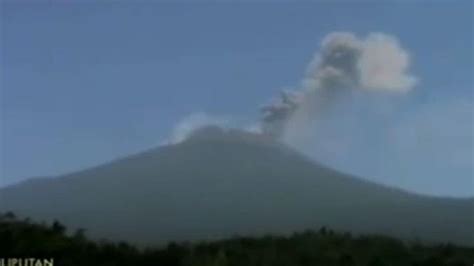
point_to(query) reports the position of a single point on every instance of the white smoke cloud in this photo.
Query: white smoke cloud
(383, 65)
(255, 128)
(191, 123)
(345, 62)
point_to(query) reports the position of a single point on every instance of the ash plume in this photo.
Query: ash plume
(189, 124)
(345, 62)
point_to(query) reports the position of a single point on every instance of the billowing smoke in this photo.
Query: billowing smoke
(345, 62)
(191, 123)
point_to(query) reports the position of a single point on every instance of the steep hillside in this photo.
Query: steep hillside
(221, 183)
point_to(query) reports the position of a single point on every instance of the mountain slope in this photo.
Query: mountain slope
(220, 183)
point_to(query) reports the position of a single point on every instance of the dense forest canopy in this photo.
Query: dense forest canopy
(24, 238)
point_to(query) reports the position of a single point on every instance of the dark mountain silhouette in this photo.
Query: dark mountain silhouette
(220, 183)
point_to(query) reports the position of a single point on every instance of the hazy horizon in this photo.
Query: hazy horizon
(85, 83)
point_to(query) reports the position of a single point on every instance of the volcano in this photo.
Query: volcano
(220, 183)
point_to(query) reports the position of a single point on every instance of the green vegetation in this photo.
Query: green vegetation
(23, 238)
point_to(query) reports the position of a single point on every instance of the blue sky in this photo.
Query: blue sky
(83, 83)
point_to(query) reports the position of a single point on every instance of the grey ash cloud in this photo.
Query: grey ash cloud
(345, 62)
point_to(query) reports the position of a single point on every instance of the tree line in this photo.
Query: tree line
(25, 238)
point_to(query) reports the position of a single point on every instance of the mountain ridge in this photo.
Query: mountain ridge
(225, 182)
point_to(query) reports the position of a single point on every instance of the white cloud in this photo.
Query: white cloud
(344, 63)
(383, 65)
(194, 121)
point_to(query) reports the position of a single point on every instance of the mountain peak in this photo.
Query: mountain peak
(221, 182)
(209, 133)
